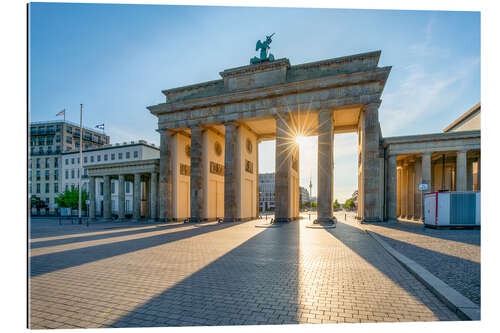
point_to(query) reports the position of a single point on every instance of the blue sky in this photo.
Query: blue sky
(116, 59)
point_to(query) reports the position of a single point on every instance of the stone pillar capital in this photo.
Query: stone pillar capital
(371, 106)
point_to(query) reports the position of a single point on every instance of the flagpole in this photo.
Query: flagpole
(80, 172)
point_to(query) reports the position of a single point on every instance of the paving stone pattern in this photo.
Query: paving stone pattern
(454, 256)
(209, 274)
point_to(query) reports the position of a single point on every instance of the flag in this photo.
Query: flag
(100, 126)
(62, 113)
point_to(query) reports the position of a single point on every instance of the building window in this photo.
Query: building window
(112, 187)
(69, 129)
(73, 174)
(47, 187)
(47, 163)
(58, 138)
(91, 159)
(50, 142)
(101, 188)
(56, 187)
(37, 174)
(30, 175)
(72, 187)
(85, 159)
(72, 160)
(56, 174)
(47, 175)
(127, 154)
(41, 141)
(105, 157)
(69, 140)
(66, 187)
(67, 161)
(47, 201)
(56, 162)
(30, 187)
(40, 150)
(66, 174)
(120, 155)
(29, 164)
(127, 187)
(98, 158)
(112, 157)
(85, 172)
(37, 188)
(136, 154)
(38, 163)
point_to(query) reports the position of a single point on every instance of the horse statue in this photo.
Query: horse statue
(263, 46)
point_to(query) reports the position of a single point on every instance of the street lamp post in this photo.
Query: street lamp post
(80, 171)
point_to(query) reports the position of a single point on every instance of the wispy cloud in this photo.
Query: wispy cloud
(422, 92)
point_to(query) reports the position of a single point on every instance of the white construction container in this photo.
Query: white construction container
(452, 209)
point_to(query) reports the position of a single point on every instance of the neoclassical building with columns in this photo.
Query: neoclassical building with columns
(210, 131)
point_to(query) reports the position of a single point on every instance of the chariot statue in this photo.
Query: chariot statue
(263, 46)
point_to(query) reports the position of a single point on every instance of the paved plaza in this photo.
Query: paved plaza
(177, 274)
(454, 256)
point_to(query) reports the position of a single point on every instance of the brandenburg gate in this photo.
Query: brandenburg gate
(210, 131)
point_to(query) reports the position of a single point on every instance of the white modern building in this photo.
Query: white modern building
(266, 191)
(110, 154)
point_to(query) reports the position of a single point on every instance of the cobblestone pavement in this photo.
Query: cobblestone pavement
(454, 256)
(228, 274)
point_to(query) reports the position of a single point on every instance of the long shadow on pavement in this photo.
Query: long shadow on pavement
(467, 236)
(367, 248)
(461, 274)
(126, 232)
(243, 287)
(51, 262)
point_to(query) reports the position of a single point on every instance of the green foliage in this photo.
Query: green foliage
(336, 204)
(69, 199)
(349, 204)
(36, 202)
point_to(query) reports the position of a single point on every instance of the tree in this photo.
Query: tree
(349, 204)
(36, 202)
(336, 204)
(69, 199)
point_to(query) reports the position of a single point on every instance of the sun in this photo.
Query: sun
(300, 139)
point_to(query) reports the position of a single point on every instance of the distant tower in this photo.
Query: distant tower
(310, 188)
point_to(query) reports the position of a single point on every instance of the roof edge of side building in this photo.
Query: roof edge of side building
(463, 117)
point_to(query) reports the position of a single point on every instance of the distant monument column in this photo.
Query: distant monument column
(325, 166)
(107, 198)
(231, 172)
(417, 212)
(404, 190)
(399, 181)
(196, 180)
(92, 198)
(426, 171)
(137, 197)
(461, 171)
(153, 198)
(165, 206)
(121, 197)
(392, 191)
(373, 165)
(283, 166)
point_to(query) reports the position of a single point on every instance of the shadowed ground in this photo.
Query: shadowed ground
(222, 275)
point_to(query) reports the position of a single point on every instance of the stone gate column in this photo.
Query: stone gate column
(92, 198)
(470, 174)
(284, 146)
(478, 186)
(257, 194)
(325, 166)
(164, 198)
(121, 197)
(231, 172)
(399, 181)
(107, 198)
(417, 212)
(136, 212)
(411, 191)
(461, 171)
(392, 191)
(153, 199)
(373, 165)
(196, 180)
(426, 171)
(404, 191)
